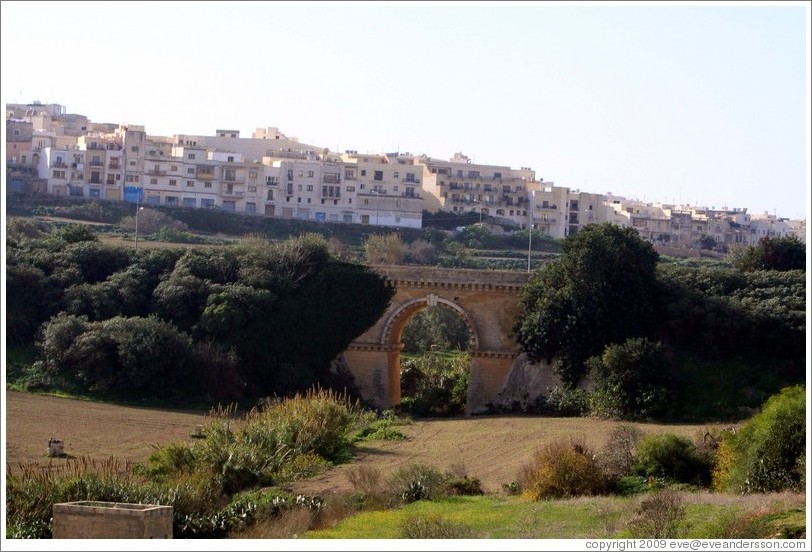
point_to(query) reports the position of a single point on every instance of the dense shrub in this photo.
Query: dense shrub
(434, 527)
(288, 440)
(672, 458)
(563, 400)
(659, 516)
(119, 356)
(435, 384)
(562, 471)
(421, 482)
(619, 455)
(766, 453)
(631, 381)
(779, 253)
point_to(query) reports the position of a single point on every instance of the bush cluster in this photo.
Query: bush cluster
(435, 384)
(768, 453)
(212, 483)
(562, 471)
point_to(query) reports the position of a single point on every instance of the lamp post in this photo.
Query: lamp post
(378, 194)
(137, 210)
(480, 209)
(529, 231)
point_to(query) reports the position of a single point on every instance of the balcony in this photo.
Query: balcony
(206, 176)
(336, 195)
(114, 166)
(59, 165)
(234, 179)
(331, 179)
(271, 181)
(155, 172)
(412, 181)
(233, 193)
(97, 163)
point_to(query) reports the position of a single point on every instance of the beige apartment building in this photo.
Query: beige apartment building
(271, 174)
(387, 188)
(459, 186)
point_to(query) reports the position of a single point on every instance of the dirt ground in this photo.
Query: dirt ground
(88, 429)
(492, 449)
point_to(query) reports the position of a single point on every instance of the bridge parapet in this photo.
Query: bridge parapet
(418, 276)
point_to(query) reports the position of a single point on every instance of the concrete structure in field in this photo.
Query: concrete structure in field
(111, 520)
(488, 303)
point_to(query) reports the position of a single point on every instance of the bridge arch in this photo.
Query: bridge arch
(487, 301)
(400, 317)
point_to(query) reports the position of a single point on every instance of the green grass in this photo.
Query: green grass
(499, 517)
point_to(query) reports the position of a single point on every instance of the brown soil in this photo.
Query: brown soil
(492, 449)
(88, 429)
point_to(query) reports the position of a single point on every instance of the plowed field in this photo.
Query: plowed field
(492, 449)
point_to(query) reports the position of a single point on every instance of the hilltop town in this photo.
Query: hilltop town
(50, 151)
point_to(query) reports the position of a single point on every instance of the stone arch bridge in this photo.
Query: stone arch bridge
(486, 300)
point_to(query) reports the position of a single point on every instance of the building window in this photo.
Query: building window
(301, 173)
(190, 183)
(190, 156)
(252, 175)
(190, 170)
(207, 184)
(378, 175)
(363, 172)
(350, 188)
(173, 182)
(394, 188)
(252, 188)
(310, 174)
(59, 174)
(134, 149)
(173, 168)
(397, 174)
(230, 158)
(409, 177)
(310, 187)
(153, 181)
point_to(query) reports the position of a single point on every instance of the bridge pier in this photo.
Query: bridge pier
(376, 368)
(489, 371)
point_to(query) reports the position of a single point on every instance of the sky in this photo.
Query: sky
(695, 103)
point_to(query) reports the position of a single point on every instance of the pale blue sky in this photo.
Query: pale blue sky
(704, 103)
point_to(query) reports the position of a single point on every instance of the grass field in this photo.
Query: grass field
(495, 517)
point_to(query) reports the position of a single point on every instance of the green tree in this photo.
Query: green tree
(435, 327)
(707, 242)
(75, 232)
(119, 356)
(787, 253)
(602, 290)
(631, 381)
(31, 299)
